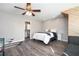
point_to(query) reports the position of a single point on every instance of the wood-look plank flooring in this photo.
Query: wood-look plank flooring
(37, 48)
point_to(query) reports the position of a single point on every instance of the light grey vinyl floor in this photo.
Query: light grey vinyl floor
(37, 48)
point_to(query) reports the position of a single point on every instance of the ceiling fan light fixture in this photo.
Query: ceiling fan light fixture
(28, 13)
(28, 10)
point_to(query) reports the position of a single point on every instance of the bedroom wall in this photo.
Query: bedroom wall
(73, 25)
(60, 25)
(36, 26)
(11, 27)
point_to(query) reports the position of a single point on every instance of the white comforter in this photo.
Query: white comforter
(43, 37)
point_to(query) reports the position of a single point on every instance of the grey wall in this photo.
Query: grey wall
(11, 27)
(60, 24)
(35, 26)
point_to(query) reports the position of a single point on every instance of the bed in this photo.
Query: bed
(46, 37)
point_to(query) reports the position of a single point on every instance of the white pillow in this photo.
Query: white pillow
(53, 30)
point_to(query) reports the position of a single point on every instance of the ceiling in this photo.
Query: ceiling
(48, 10)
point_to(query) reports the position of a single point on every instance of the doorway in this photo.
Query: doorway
(27, 30)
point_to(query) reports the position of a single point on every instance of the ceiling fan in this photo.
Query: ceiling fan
(28, 10)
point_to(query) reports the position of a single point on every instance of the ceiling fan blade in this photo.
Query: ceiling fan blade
(37, 10)
(24, 13)
(19, 7)
(33, 14)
